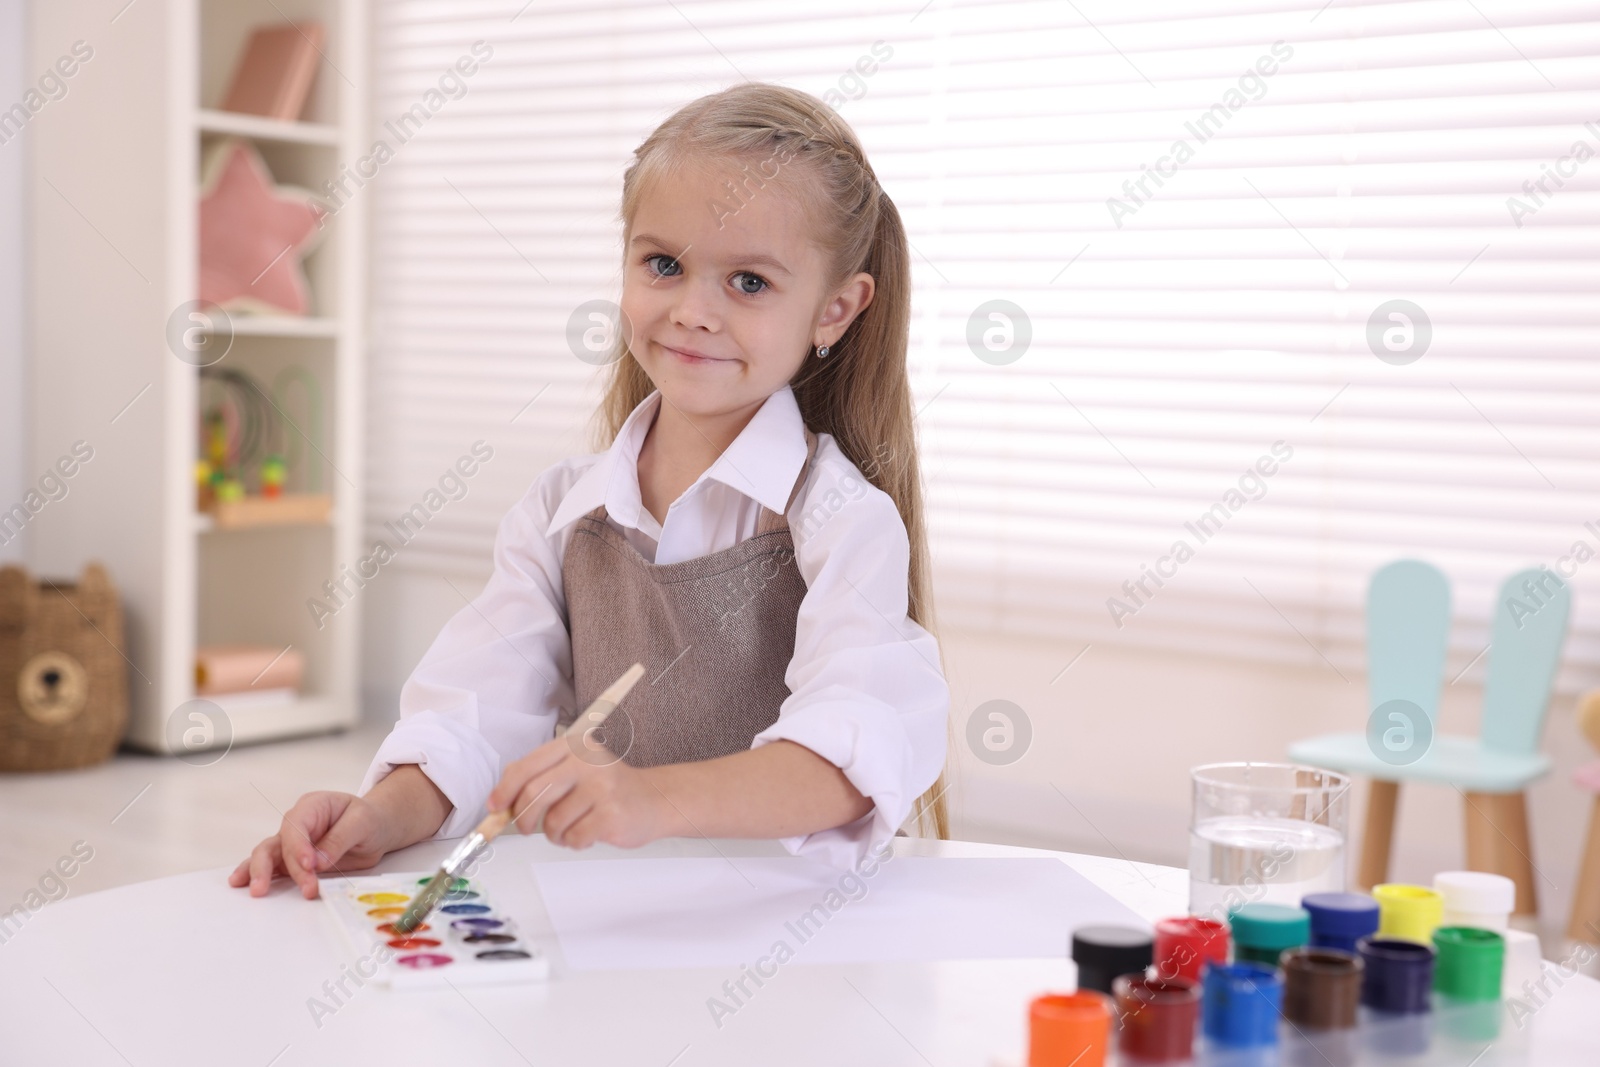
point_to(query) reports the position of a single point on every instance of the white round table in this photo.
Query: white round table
(188, 970)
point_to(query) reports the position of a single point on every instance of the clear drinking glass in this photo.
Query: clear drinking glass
(1264, 833)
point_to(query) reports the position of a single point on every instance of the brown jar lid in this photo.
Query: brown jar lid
(1321, 987)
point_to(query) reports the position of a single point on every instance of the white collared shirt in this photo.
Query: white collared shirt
(866, 689)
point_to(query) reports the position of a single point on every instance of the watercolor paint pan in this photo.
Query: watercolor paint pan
(466, 941)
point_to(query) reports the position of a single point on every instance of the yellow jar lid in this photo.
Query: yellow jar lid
(1408, 912)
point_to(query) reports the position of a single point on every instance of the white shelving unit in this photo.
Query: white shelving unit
(284, 326)
(115, 183)
(262, 129)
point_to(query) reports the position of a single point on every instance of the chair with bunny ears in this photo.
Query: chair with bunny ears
(1585, 924)
(1408, 619)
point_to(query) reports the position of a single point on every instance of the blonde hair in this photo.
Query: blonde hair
(861, 393)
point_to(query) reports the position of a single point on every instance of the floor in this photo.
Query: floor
(147, 816)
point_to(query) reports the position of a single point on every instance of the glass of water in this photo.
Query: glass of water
(1264, 833)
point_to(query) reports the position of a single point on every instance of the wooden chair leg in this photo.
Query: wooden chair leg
(1585, 924)
(1497, 842)
(1382, 798)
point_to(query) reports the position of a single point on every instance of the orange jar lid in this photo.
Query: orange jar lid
(1069, 1029)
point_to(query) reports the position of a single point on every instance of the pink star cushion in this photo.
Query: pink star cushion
(253, 234)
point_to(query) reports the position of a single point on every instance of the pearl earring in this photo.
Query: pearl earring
(822, 352)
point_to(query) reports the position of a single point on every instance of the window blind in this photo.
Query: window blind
(1214, 313)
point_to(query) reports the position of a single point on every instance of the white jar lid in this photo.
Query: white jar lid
(1476, 891)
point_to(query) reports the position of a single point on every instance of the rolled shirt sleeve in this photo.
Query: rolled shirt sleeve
(867, 690)
(490, 687)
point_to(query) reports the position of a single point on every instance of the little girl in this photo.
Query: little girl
(753, 535)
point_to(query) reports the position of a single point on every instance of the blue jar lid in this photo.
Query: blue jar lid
(1240, 1004)
(1350, 915)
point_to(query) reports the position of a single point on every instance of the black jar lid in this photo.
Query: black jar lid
(1112, 950)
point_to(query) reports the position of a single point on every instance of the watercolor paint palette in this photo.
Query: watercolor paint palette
(466, 941)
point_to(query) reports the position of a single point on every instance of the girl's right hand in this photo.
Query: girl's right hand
(324, 831)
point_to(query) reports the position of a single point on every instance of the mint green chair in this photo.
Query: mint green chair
(1408, 620)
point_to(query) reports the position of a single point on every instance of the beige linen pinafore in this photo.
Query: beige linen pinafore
(715, 635)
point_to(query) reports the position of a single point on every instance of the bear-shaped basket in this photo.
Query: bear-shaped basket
(63, 678)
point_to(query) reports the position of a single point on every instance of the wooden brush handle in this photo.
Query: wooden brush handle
(493, 823)
(496, 821)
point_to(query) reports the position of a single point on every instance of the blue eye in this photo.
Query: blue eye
(672, 268)
(745, 276)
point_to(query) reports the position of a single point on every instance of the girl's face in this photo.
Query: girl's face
(725, 296)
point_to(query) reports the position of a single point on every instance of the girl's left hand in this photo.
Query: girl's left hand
(585, 794)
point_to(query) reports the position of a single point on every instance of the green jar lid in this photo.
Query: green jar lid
(1469, 964)
(1272, 927)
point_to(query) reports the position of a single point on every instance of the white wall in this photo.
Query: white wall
(13, 293)
(1117, 734)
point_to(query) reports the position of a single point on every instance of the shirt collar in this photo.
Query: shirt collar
(763, 463)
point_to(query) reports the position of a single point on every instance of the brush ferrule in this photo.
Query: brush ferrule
(463, 853)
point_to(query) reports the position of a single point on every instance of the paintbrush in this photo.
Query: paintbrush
(440, 885)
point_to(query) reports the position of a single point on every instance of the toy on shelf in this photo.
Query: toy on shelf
(295, 442)
(253, 234)
(264, 671)
(248, 439)
(272, 475)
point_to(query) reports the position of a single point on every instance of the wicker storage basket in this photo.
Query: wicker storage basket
(63, 679)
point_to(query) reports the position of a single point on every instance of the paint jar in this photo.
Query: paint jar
(1474, 898)
(1104, 952)
(1182, 944)
(1408, 912)
(1069, 1029)
(1469, 963)
(1321, 988)
(1321, 998)
(1397, 976)
(1339, 920)
(1240, 1003)
(1264, 832)
(1397, 990)
(1157, 1017)
(1468, 981)
(1261, 932)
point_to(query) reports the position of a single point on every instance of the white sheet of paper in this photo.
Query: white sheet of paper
(716, 912)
